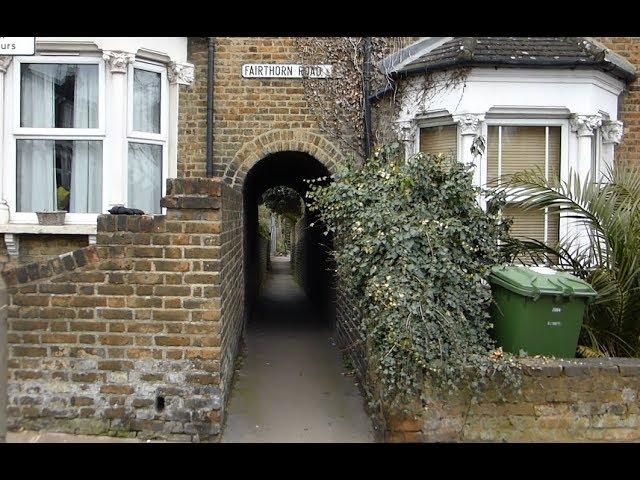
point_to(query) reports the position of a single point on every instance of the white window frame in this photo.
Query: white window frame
(134, 136)
(596, 156)
(30, 133)
(563, 123)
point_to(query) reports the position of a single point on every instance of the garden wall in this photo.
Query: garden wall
(132, 336)
(578, 400)
(37, 247)
(572, 400)
(231, 287)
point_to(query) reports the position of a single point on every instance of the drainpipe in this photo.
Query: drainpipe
(210, 58)
(366, 93)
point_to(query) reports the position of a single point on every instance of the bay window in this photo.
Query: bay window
(146, 138)
(513, 148)
(64, 154)
(58, 136)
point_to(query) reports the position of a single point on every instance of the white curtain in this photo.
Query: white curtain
(85, 97)
(86, 166)
(37, 102)
(144, 177)
(146, 101)
(86, 177)
(36, 158)
(35, 172)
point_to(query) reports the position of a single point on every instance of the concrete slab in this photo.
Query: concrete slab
(292, 386)
(27, 436)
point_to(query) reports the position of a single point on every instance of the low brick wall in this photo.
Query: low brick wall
(572, 400)
(130, 336)
(581, 400)
(35, 248)
(231, 285)
(39, 247)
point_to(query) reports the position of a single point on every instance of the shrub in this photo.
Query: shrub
(413, 249)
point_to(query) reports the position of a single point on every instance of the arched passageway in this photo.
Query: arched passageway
(292, 383)
(287, 169)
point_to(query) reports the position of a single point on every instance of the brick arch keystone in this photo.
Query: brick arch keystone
(281, 140)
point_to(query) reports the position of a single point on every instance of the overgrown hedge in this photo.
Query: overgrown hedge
(413, 249)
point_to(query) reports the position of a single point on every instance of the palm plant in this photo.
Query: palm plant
(608, 210)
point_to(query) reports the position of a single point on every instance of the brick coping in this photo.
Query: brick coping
(578, 367)
(67, 262)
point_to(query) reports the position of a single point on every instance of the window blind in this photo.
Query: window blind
(511, 149)
(439, 140)
(529, 224)
(522, 148)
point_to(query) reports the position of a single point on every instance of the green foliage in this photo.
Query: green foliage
(281, 247)
(283, 201)
(264, 217)
(263, 229)
(609, 259)
(413, 250)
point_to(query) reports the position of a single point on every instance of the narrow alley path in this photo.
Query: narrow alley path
(291, 386)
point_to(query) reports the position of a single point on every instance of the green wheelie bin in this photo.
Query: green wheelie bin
(537, 310)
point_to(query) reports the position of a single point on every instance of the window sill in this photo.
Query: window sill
(35, 228)
(12, 241)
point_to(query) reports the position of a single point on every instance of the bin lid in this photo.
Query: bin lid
(536, 281)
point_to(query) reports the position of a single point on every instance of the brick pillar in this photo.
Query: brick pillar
(210, 214)
(193, 221)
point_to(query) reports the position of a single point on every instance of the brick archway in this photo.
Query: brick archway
(281, 140)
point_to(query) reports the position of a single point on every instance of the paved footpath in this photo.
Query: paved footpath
(292, 385)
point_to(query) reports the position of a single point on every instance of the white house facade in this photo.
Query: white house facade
(87, 124)
(529, 105)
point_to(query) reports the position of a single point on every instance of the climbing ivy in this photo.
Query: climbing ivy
(413, 250)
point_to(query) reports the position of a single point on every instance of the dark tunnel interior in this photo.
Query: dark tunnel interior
(315, 272)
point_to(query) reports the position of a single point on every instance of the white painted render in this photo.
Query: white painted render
(174, 48)
(584, 103)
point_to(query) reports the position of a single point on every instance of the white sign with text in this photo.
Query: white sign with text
(282, 70)
(17, 45)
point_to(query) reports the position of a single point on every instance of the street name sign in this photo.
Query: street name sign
(285, 70)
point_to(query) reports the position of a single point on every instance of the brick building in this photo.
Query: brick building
(124, 324)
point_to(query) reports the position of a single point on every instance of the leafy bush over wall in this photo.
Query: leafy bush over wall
(413, 248)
